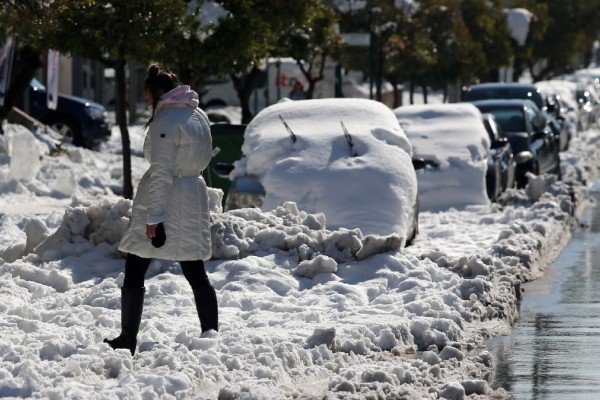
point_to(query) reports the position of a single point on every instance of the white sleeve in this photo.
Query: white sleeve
(163, 136)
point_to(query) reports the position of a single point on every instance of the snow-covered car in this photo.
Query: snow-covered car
(330, 156)
(575, 119)
(453, 141)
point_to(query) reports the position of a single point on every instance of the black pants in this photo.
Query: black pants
(136, 268)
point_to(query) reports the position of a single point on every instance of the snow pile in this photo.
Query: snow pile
(305, 311)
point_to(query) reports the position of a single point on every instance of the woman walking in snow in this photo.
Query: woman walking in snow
(170, 215)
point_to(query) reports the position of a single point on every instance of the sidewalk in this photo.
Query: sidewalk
(554, 350)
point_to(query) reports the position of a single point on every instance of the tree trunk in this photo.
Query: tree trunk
(244, 86)
(122, 122)
(379, 75)
(27, 61)
(133, 82)
(312, 81)
(396, 100)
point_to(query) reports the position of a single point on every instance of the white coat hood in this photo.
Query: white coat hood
(182, 95)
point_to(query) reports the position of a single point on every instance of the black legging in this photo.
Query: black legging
(136, 268)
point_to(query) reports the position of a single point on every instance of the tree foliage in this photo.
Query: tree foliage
(311, 41)
(113, 32)
(409, 53)
(249, 33)
(430, 44)
(487, 24)
(560, 31)
(459, 57)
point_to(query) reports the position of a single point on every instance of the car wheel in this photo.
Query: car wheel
(557, 170)
(68, 130)
(415, 227)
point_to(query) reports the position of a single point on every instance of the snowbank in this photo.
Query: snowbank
(305, 312)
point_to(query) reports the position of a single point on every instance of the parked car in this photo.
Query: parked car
(535, 146)
(501, 161)
(589, 103)
(79, 121)
(346, 158)
(565, 91)
(453, 142)
(516, 90)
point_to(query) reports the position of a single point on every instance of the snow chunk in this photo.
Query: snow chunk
(321, 336)
(451, 352)
(319, 265)
(25, 154)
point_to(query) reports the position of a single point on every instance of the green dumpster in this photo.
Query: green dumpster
(228, 138)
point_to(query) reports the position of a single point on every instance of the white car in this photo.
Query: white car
(346, 158)
(454, 143)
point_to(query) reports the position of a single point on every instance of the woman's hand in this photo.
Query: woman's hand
(151, 231)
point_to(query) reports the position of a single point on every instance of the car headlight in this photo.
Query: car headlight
(96, 113)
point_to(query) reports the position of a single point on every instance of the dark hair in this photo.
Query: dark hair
(159, 81)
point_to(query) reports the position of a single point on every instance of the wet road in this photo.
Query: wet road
(554, 350)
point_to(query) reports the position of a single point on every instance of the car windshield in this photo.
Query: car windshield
(37, 85)
(504, 93)
(512, 124)
(509, 120)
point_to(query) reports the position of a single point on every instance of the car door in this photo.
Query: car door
(505, 158)
(494, 171)
(543, 141)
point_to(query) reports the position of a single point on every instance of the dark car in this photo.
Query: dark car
(535, 146)
(78, 120)
(501, 161)
(557, 109)
(516, 90)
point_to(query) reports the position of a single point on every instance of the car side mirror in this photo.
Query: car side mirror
(418, 163)
(222, 169)
(540, 135)
(498, 143)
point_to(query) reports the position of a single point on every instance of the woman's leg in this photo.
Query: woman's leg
(135, 271)
(204, 294)
(132, 303)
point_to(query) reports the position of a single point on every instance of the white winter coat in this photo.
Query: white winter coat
(179, 146)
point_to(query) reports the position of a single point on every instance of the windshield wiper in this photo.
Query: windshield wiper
(292, 134)
(349, 140)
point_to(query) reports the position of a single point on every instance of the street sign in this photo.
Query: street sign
(356, 39)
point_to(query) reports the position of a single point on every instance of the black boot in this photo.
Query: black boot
(132, 303)
(207, 307)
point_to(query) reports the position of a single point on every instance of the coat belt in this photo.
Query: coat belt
(186, 173)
